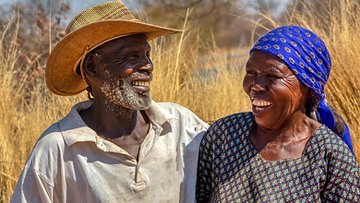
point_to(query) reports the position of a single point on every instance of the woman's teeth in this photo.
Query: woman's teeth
(261, 103)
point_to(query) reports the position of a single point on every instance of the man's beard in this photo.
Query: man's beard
(120, 96)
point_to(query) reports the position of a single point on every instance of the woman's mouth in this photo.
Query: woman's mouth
(260, 105)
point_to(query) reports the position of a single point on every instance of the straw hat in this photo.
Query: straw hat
(88, 30)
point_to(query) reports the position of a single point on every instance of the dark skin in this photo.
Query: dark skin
(279, 106)
(121, 58)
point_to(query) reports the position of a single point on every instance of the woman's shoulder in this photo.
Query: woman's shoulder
(326, 137)
(340, 164)
(325, 140)
(235, 120)
(235, 126)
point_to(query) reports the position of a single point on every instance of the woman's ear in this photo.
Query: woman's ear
(307, 99)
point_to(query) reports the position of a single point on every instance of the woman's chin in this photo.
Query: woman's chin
(265, 122)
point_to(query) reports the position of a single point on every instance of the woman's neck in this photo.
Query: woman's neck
(287, 141)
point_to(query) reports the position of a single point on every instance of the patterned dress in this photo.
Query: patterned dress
(230, 168)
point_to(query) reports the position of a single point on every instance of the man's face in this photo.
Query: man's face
(125, 73)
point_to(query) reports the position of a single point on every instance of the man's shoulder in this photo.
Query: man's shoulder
(177, 114)
(175, 111)
(49, 145)
(172, 106)
(51, 135)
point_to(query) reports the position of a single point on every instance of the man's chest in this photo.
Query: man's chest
(122, 179)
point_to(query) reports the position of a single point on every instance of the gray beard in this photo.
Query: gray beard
(120, 96)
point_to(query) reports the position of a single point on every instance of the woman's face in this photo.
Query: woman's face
(275, 92)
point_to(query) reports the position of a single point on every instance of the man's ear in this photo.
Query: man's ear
(89, 65)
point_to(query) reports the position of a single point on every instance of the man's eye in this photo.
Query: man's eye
(132, 56)
(250, 73)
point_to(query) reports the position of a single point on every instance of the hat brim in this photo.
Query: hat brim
(60, 74)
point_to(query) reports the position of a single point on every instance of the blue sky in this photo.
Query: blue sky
(79, 5)
(76, 5)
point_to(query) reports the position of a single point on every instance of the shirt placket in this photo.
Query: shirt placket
(141, 179)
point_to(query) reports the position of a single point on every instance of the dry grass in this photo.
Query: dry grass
(208, 83)
(339, 27)
(26, 110)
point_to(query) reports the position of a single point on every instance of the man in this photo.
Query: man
(120, 146)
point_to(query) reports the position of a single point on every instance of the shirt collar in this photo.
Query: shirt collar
(74, 129)
(157, 115)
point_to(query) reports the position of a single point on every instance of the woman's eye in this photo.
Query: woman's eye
(273, 76)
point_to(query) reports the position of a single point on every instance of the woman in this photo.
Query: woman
(292, 147)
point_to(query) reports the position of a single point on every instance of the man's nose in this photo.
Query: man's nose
(147, 67)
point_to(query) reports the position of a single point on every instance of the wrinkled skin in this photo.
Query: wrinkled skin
(119, 73)
(269, 79)
(278, 103)
(124, 61)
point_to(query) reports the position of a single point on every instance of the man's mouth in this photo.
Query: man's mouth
(143, 86)
(140, 83)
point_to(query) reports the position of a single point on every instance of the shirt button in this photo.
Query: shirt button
(139, 186)
(101, 146)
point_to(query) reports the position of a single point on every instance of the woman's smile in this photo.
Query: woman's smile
(260, 106)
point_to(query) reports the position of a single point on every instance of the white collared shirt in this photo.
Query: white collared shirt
(71, 163)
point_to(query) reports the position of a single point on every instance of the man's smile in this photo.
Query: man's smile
(143, 86)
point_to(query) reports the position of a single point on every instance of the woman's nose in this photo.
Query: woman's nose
(259, 84)
(256, 88)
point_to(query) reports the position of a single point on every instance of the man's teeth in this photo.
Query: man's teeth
(141, 83)
(260, 103)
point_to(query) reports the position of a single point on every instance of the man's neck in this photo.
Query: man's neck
(127, 129)
(111, 124)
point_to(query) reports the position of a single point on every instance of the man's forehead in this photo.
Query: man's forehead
(124, 43)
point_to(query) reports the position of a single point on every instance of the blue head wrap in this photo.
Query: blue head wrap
(308, 58)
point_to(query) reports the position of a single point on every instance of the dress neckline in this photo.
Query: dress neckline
(257, 152)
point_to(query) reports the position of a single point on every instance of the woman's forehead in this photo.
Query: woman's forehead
(257, 57)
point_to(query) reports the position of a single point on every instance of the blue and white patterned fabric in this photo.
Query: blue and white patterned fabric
(308, 58)
(231, 169)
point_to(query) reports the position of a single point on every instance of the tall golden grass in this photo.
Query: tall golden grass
(180, 68)
(339, 27)
(26, 108)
